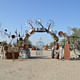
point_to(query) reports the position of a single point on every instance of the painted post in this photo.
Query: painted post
(66, 51)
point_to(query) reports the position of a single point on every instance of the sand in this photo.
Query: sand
(39, 68)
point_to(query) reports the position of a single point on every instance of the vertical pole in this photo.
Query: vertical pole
(66, 51)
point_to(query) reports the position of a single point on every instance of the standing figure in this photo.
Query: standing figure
(53, 52)
(56, 51)
(26, 51)
(61, 56)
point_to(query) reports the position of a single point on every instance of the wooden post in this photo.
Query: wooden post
(66, 51)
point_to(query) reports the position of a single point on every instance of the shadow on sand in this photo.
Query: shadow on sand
(75, 59)
(39, 57)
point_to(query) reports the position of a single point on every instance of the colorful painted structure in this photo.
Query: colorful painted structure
(42, 29)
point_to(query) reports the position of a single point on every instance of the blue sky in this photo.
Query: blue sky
(65, 13)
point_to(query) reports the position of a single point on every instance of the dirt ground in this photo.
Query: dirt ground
(40, 67)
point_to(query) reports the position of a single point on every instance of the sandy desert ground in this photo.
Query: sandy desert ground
(40, 68)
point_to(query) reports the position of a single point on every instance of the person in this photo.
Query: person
(26, 51)
(4, 50)
(56, 51)
(53, 52)
(61, 53)
(1, 52)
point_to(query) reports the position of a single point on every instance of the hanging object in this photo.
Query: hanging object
(60, 33)
(65, 35)
(27, 35)
(56, 39)
(13, 36)
(5, 30)
(32, 31)
(21, 39)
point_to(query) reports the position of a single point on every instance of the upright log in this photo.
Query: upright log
(66, 51)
